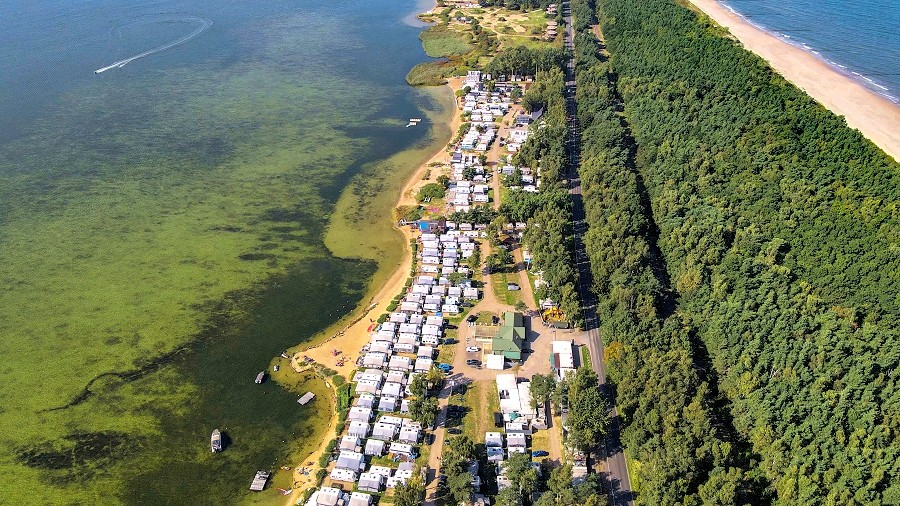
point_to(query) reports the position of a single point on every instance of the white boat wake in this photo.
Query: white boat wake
(204, 24)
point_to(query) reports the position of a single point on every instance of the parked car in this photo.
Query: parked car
(449, 340)
(512, 287)
(444, 367)
(473, 349)
(454, 431)
(473, 362)
(539, 453)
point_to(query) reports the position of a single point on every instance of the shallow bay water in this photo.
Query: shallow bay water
(161, 231)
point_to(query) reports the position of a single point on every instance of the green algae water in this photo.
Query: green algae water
(162, 230)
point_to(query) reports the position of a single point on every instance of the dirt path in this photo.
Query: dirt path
(434, 458)
(524, 281)
(493, 156)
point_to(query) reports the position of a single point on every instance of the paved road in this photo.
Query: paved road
(615, 464)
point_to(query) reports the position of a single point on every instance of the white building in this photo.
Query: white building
(359, 429)
(344, 475)
(374, 447)
(327, 496)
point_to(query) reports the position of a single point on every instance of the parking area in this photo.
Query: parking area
(536, 354)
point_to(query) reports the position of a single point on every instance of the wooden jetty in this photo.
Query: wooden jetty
(259, 481)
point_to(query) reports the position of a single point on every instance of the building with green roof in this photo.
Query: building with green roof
(511, 337)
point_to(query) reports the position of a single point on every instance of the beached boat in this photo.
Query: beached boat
(260, 377)
(276, 367)
(215, 441)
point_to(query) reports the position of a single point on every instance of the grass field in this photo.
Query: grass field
(586, 357)
(499, 280)
(440, 41)
(481, 401)
(634, 468)
(513, 28)
(540, 440)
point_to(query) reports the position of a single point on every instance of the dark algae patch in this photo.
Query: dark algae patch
(257, 256)
(74, 452)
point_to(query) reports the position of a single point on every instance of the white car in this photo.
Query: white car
(472, 348)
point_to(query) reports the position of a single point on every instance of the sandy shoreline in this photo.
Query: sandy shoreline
(872, 114)
(355, 335)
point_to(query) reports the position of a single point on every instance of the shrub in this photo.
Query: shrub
(430, 191)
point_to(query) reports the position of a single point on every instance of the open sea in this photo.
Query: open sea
(860, 38)
(170, 176)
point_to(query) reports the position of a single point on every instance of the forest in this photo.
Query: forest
(672, 427)
(744, 245)
(525, 61)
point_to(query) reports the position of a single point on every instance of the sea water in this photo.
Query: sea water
(860, 38)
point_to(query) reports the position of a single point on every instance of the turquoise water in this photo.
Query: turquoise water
(161, 230)
(861, 38)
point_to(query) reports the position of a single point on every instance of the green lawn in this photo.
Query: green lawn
(485, 318)
(634, 467)
(499, 280)
(586, 357)
(482, 402)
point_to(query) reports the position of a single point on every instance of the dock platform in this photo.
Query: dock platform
(259, 481)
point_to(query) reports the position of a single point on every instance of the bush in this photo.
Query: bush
(430, 191)
(343, 395)
(410, 213)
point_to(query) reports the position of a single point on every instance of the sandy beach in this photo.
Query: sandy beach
(875, 116)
